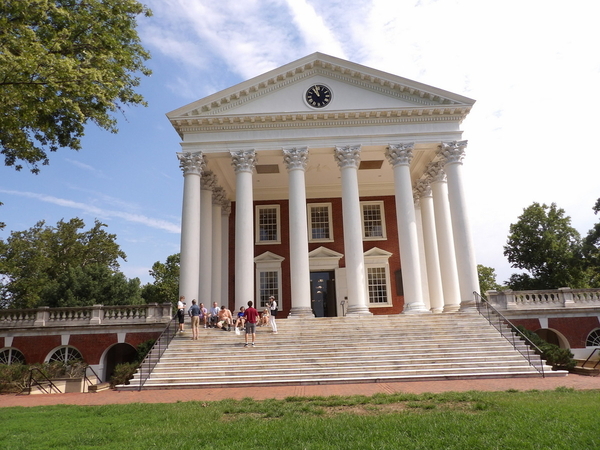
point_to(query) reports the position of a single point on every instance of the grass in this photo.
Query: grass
(559, 419)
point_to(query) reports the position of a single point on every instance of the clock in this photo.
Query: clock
(318, 96)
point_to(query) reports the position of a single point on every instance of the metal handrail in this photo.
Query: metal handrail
(153, 356)
(36, 382)
(85, 376)
(502, 325)
(590, 357)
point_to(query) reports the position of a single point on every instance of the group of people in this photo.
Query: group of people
(247, 318)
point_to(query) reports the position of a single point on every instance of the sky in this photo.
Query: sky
(532, 66)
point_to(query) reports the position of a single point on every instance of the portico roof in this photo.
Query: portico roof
(368, 107)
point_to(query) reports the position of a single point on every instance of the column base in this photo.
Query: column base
(418, 308)
(437, 310)
(300, 313)
(354, 311)
(451, 308)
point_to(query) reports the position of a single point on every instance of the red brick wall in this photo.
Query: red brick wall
(530, 324)
(390, 244)
(92, 346)
(575, 329)
(35, 348)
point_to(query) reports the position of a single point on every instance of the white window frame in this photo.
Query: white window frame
(268, 262)
(309, 207)
(377, 258)
(362, 219)
(258, 239)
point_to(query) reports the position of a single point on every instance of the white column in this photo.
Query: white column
(443, 229)
(295, 160)
(207, 182)
(243, 163)
(422, 258)
(400, 156)
(218, 194)
(192, 165)
(225, 212)
(348, 159)
(432, 257)
(453, 154)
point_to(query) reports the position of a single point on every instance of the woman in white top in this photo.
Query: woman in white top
(273, 310)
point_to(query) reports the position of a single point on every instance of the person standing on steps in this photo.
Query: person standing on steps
(181, 312)
(194, 313)
(251, 315)
(273, 312)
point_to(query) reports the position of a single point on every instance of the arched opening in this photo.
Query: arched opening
(65, 354)
(553, 337)
(118, 354)
(593, 339)
(11, 356)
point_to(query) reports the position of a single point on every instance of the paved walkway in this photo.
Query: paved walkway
(577, 382)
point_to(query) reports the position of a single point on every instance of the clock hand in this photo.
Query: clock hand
(316, 90)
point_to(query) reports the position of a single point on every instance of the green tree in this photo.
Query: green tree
(63, 266)
(544, 244)
(166, 281)
(487, 279)
(64, 63)
(591, 250)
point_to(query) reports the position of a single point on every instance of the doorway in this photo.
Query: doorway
(322, 294)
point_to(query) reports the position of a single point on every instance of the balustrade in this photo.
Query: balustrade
(545, 299)
(85, 315)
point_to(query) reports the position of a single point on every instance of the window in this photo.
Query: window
(378, 277)
(65, 355)
(319, 222)
(267, 224)
(373, 220)
(377, 285)
(269, 285)
(268, 278)
(593, 339)
(11, 356)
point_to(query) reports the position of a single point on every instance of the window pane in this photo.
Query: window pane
(372, 221)
(377, 285)
(319, 222)
(268, 287)
(267, 224)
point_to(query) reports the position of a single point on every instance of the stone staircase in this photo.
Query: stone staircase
(342, 350)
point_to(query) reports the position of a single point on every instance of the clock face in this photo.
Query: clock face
(318, 96)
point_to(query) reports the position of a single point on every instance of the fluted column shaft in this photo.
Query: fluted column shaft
(348, 159)
(453, 154)
(244, 162)
(192, 165)
(205, 278)
(295, 160)
(225, 212)
(399, 156)
(217, 247)
(445, 240)
(432, 257)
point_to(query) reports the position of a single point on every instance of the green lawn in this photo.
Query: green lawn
(560, 419)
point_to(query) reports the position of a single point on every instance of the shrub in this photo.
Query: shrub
(123, 373)
(557, 357)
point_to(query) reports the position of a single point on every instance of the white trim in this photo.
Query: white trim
(257, 239)
(309, 207)
(378, 258)
(268, 262)
(380, 203)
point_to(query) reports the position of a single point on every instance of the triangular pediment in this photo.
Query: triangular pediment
(324, 253)
(269, 257)
(357, 92)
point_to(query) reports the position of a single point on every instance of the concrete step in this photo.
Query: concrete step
(343, 350)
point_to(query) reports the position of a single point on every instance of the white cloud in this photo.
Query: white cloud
(99, 212)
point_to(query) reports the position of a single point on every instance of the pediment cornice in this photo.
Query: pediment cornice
(218, 109)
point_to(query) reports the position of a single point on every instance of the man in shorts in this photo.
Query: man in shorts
(251, 315)
(225, 319)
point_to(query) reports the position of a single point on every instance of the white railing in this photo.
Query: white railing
(544, 299)
(85, 315)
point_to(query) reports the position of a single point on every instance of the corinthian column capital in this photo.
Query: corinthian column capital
(208, 180)
(347, 156)
(295, 157)
(400, 154)
(191, 162)
(424, 187)
(218, 196)
(453, 152)
(436, 172)
(243, 160)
